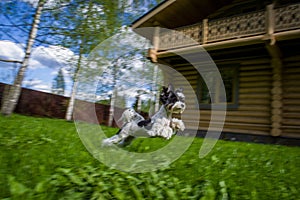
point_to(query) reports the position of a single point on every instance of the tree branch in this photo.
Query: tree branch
(10, 61)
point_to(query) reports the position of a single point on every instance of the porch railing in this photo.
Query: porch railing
(250, 24)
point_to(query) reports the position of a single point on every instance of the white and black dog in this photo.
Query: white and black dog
(161, 124)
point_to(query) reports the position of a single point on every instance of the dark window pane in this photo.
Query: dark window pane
(230, 81)
(228, 77)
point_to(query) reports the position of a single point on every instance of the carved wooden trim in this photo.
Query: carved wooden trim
(250, 25)
(204, 31)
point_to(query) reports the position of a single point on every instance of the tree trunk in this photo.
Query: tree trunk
(70, 108)
(112, 107)
(155, 87)
(14, 92)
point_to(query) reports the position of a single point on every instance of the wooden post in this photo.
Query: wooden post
(152, 53)
(270, 19)
(204, 31)
(276, 92)
(276, 63)
(276, 97)
(156, 38)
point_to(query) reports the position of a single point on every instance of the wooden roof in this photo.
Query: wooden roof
(177, 13)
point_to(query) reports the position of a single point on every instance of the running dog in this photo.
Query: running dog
(161, 124)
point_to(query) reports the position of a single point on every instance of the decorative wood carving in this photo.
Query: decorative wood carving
(246, 25)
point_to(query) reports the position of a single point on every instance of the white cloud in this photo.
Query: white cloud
(42, 87)
(32, 82)
(11, 51)
(53, 57)
(43, 60)
(37, 84)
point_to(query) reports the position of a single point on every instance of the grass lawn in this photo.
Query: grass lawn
(45, 159)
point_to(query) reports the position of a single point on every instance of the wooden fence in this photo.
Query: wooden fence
(42, 104)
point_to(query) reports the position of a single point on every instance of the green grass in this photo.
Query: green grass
(45, 159)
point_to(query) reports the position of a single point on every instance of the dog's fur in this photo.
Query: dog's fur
(160, 124)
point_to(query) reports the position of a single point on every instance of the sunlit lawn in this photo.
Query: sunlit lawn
(45, 159)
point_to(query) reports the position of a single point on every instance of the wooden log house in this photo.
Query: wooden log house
(254, 44)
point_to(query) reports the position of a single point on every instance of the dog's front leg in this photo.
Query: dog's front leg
(177, 124)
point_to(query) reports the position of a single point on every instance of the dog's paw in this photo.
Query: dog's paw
(106, 143)
(177, 124)
(151, 133)
(166, 133)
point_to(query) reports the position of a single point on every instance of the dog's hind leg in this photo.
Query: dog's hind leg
(112, 140)
(126, 141)
(121, 135)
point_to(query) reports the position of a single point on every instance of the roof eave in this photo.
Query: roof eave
(137, 23)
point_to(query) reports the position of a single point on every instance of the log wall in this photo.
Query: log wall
(291, 97)
(253, 115)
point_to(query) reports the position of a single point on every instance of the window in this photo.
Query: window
(210, 89)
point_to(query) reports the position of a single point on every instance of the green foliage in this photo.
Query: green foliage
(44, 159)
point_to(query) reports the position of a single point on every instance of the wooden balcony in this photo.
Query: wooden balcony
(266, 22)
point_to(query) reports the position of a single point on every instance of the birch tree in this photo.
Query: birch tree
(127, 74)
(96, 20)
(13, 94)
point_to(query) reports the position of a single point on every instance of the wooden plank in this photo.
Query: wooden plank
(258, 120)
(235, 119)
(291, 96)
(291, 70)
(291, 64)
(255, 73)
(252, 132)
(255, 78)
(250, 107)
(293, 102)
(256, 84)
(254, 90)
(184, 67)
(291, 108)
(292, 76)
(254, 101)
(295, 115)
(249, 113)
(247, 127)
(291, 59)
(263, 126)
(255, 68)
(189, 77)
(255, 61)
(289, 129)
(291, 122)
(188, 73)
(291, 89)
(291, 83)
(255, 96)
(250, 129)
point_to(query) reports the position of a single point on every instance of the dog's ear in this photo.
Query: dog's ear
(164, 89)
(170, 88)
(164, 95)
(179, 90)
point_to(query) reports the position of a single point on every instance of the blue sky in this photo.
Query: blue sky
(45, 60)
